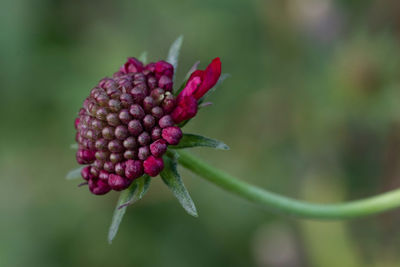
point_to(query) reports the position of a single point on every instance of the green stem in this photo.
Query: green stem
(347, 210)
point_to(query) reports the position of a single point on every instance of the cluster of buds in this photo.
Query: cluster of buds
(128, 121)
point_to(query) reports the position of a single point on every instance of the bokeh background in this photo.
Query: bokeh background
(311, 111)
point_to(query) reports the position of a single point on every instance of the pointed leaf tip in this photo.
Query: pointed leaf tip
(173, 180)
(74, 174)
(173, 53)
(134, 193)
(143, 57)
(194, 140)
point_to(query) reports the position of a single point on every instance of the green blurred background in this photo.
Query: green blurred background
(311, 111)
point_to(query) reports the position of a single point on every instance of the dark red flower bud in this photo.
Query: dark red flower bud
(164, 68)
(133, 169)
(158, 148)
(153, 166)
(166, 121)
(132, 65)
(85, 172)
(156, 133)
(98, 187)
(117, 182)
(165, 83)
(172, 135)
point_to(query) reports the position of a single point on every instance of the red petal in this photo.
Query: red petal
(210, 78)
(186, 109)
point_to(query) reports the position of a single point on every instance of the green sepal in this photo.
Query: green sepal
(173, 180)
(74, 174)
(173, 53)
(133, 193)
(194, 140)
(143, 57)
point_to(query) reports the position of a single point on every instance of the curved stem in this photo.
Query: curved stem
(346, 210)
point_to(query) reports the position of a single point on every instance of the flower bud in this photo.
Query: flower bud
(172, 135)
(153, 166)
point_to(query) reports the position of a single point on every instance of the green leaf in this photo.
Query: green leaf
(73, 146)
(194, 140)
(135, 192)
(173, 180)
(74, 174)
(143, 57)
(173, 53)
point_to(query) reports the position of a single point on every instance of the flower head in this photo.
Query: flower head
(127, 122)
(120, 126)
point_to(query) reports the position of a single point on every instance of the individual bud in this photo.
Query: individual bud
(112, 119)
(126, 100)
(92, 108)
(124, 116)
(172, 135)
(166, 121)
(114, 93)
(156, 133)
(133, 169)
(101, 113)
(116, 182)
(129, 154)
(109, 166)
(98, 187)
(102, 99)
(130, 143)
(144, 138)
(158, 148)
(135, 127)
(138, 94)
(121, 132)
(114, 105)
(158, 95)
(94, 171)
(164, 68)
(139, 77)
(95, 92)
(157, 112)
(137, 112)
(148, 103)
(143, 152)
(116, 157)
(84, 156)
(85, 173)
(101, 144)
(89, 134)
(97, 124)
(108, 133)
(165, 83)
(148, 122)
(168, 103)
(98, 164)
(102, 155)
(153, 166)
(125, 85)
(120, 168)
(152, 82)
(115, 146)
(103, 175)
